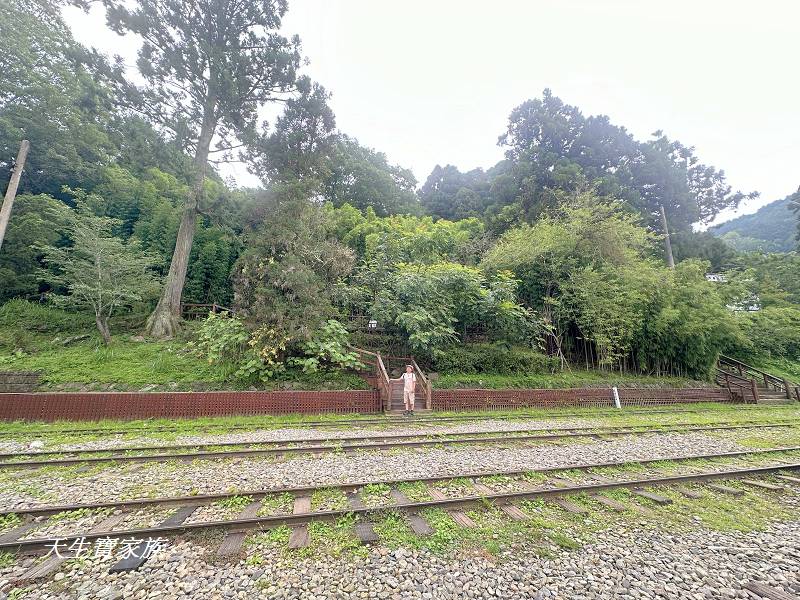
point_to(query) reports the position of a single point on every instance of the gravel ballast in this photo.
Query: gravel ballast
(630, 557)
(626, 563)
(291, 433)
(202, 477)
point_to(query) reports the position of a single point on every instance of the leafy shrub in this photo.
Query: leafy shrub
(223, 338)
(263, 353)
(388, 344)
(773, 331)
(431, 303)
(327, 349)
(495, 359)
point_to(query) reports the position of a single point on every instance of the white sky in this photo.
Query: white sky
(433, 81)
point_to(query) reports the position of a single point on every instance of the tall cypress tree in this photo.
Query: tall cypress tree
(209, 65)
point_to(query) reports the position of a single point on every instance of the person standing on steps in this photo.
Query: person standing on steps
(409, 380)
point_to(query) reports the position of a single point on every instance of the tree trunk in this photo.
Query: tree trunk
(165, 320)
(667, 241)
(11, 192)
(102, 327)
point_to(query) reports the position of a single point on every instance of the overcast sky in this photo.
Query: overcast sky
(433, 81)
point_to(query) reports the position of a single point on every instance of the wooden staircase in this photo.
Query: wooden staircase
(754, 385)
(382, 372)
(395, 367)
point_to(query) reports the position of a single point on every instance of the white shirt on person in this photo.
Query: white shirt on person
(409, 381)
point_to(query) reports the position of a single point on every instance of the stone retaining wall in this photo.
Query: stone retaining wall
(19, 381)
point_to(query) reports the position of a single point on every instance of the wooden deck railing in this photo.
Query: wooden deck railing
(195, 311)
(425, 383)
(738, 386)
(732, 367)
(374, 362)
(378, 365)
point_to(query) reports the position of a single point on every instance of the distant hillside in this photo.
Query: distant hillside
(772, 228)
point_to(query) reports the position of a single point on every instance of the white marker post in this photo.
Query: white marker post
(616, 397)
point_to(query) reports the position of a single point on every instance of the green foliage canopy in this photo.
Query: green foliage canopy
(99, 270)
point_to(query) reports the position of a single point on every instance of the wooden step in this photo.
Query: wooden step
(764, 591)
(138, 555)
(725, 489)
(299, 536)
(233, 541)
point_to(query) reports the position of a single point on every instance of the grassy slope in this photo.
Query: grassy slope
(780, 367)
(131, 364)
(574, 378)
(123, 361)
(32, 336)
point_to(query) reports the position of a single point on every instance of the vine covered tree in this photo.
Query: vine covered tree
(300, 146)
(209, 65)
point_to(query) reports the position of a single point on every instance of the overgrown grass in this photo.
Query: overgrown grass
(565, 379)
(123, 362)
(9, 521)
(32, 338)
(701, 413)
(780, 367)
(131, 363)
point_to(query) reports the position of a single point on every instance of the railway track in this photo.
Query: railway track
(473, 492)
(387, 420)
(313, 446)
(378, 437)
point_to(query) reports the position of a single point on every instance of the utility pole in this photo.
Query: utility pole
(667, 242)
(11, 192)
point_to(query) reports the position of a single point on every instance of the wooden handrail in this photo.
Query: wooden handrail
(733, 375)
(770, 381)
(426, 383)
(743, 384)
(381, 376)
(384, 384)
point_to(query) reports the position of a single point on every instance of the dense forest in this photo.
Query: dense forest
(551, 259)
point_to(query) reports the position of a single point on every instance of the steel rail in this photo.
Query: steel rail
(267, 522)
(392, 436)
(205, 499)
(206, 455)
(389, 420)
